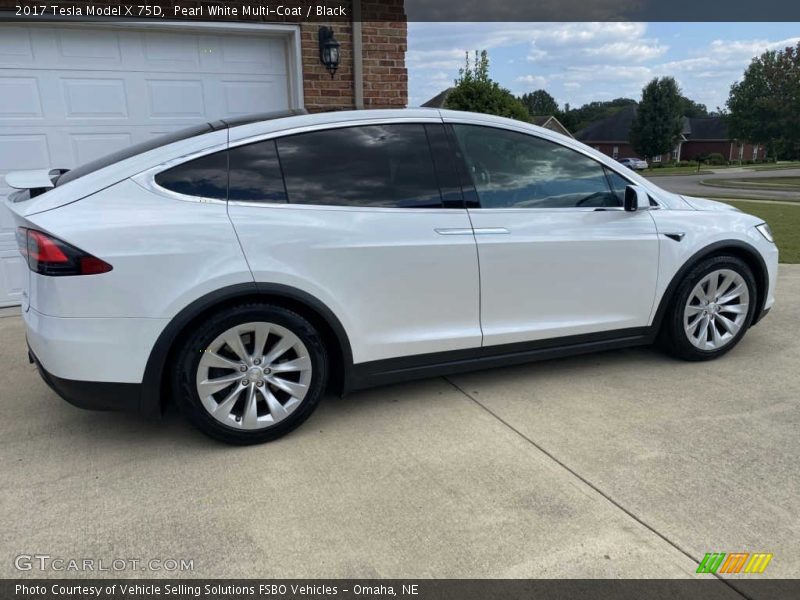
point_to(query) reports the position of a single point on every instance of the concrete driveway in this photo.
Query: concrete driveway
(621, 464)
(691, 186)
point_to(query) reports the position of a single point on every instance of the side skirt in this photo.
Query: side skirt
(406, 368)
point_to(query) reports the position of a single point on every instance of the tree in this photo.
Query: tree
(540, 103)
(690, 108)
(765, 105)
(657, 126)
(475, 91)
(576, 119)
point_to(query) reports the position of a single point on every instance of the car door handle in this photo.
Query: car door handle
(490, 230)
(453, 231)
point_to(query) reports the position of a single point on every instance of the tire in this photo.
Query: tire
(683, 335)
(232, 392)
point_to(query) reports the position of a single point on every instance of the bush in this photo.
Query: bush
(476, 92)
(715, 158)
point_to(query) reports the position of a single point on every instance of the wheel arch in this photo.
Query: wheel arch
(737, 248)
(155, 383)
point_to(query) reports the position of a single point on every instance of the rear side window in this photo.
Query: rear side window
(372, 165)
(255, 173)
(206, 177)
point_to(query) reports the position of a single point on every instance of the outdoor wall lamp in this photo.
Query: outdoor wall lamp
(328, 50)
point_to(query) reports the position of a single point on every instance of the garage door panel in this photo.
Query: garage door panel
(239, 55)
(176, 99)
(101, 49)
(20, 98)
(20, 151)
(16, 48)
(72, 93)
(98, 97)
(247, 97)
(87, 147)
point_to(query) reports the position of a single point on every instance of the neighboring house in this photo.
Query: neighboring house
(548, 122)
(700, 136)
(611, 135)
(551, 123)
(73, 91)
(438, 100)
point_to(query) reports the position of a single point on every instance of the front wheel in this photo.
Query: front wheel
(713, 307)
(250, 374)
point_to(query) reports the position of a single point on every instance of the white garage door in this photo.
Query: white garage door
(72, 93)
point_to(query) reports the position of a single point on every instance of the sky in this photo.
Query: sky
(581, 62)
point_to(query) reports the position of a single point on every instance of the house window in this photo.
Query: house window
(615, 152)
(657, 158)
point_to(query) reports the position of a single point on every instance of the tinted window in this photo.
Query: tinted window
(206, 176)
(515, 170)
(374, 165)
(618, 185)
(140, 148)
(255, 173)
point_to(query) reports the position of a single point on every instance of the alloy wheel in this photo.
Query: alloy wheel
(254, 375)
(716, 309)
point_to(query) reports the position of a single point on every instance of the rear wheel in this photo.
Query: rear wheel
(712, 310)
(251, 374)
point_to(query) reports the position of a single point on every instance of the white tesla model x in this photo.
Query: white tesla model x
(241, 268)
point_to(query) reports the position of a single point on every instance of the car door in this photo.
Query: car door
(369, 220)
(558, 255)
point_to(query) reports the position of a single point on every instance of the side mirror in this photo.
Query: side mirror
(636, 198)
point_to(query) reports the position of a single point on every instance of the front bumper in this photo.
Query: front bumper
(92, 395)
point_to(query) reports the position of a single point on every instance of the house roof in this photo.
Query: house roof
(551, 123)
(705, 128)
(438, 100)
(615, 128)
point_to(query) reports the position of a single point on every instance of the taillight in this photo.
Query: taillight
(48, 255)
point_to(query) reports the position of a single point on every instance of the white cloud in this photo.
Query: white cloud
(581, 62)
(532, 81)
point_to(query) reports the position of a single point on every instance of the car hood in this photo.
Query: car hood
(706, 204)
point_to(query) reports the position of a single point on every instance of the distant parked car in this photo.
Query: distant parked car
(637, 164)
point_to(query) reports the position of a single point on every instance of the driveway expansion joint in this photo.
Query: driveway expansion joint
(591, 485)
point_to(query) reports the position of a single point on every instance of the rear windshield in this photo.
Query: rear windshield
(170, 138)
(125, 153)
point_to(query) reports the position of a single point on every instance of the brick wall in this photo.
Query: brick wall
(320, 91)
(385, 41)
(384, 44)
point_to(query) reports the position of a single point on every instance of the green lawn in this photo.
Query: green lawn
(774, 166)
(783, 219)
(674, 171)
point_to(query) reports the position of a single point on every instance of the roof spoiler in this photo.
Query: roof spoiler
(38, 179)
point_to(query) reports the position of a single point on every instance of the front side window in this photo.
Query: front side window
(516, 170)
(618, 184)
(371, 165)
(205, 177)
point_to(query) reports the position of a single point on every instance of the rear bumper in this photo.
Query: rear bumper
(92, 395)
(95, 363)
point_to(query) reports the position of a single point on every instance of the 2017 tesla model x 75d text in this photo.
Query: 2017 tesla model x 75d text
(243, 267)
